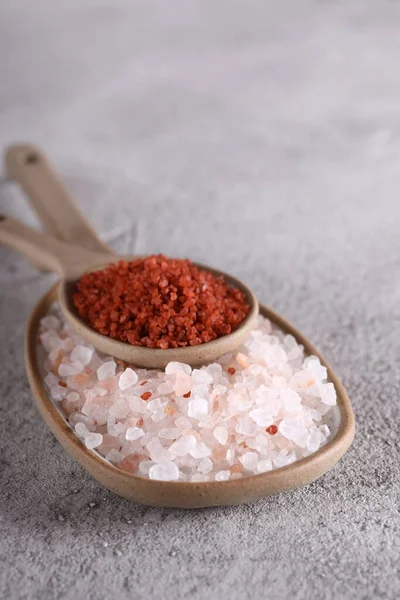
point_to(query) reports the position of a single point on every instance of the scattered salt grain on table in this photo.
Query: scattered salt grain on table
(261, 408)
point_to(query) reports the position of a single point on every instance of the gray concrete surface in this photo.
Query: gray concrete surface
(262, 138)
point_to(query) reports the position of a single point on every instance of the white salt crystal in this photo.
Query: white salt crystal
(197, 408)
(58, 392)
(294, 429)
(93, 440)
(167, 471)
(313, 365)
(200, 450)
(70, 369)
(165, 388)
(51, 380)
(81, 430)
(201, 377)
(50, 322)
(106, 370)
(262, 417)
(127, 379)
(159, 415)
(50, 340)
(183, 423)
(291, 400)
(206, 465)
(230, 456)
(222, 476)
(158, 453)
(82, 354)
(73, 397)
(325, 431)
(283, 459)
(249, 460)
(114, 456)
(169, 433)
(134, 433)
(314, 439)
(183, 445)
(173, 368)
(120, 409)
(221, 435)
(264, 465)
(328, 393)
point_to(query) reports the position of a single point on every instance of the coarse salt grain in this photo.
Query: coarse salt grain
(128, 379)
(82, 354)
(259, 410)
(164, 472)
(106, 370)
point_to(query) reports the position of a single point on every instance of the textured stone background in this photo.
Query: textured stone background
(259, 137)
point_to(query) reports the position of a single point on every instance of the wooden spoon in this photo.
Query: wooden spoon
(37, 177)
(70, 262)
(59, 214)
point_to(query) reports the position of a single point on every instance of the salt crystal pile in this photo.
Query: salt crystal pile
(262, 408)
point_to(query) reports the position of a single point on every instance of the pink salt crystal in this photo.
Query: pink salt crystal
(109, 443)
(69, 406)
(130, 463)
(183, 384)
(81, 379)
(243, 360)
(221, 435)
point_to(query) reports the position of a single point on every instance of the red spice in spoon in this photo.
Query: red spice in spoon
(159, 302)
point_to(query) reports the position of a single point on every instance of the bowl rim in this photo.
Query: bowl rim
(301, 469)
(193, 355)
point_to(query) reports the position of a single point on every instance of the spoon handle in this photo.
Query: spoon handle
(29, 167)
(49, 253)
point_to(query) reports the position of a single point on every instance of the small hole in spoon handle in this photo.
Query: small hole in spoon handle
(31, 159)
(2, 218)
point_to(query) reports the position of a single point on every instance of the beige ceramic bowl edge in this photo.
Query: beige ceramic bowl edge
(181, 494)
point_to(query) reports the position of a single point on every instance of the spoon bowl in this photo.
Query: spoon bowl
(186, 494)
(72, 261)
(151, 358)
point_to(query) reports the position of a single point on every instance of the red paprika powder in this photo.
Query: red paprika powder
(159, 302)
